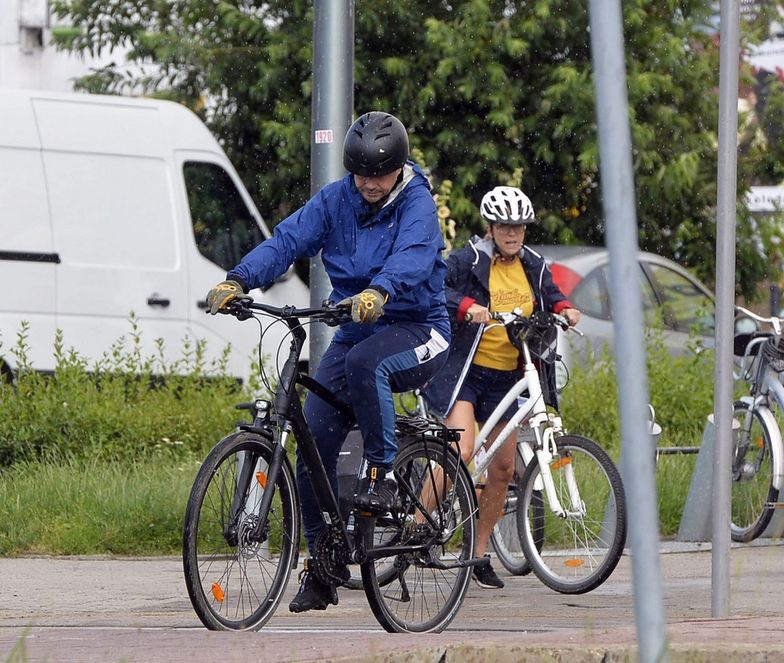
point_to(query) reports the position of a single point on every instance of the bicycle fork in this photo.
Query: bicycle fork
(549, 459)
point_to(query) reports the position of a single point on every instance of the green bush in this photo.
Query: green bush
(100, 458)
(681, 392)
(122, 407)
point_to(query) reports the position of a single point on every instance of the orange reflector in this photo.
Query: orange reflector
(573, 563)
(217, 592)
(262, 479)
(759, 443)
(561, 462)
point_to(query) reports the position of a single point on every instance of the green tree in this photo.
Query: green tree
(493, 91)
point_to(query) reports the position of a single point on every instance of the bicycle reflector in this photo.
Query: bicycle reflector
(217, 592)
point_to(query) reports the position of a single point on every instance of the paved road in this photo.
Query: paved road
(72, 609)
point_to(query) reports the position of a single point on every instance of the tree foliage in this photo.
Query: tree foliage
(493, 91)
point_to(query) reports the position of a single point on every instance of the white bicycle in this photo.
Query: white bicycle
(758, 453)
(565, 513)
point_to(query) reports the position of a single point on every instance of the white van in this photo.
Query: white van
(113, 205)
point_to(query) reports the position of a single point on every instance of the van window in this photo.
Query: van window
(223, 227)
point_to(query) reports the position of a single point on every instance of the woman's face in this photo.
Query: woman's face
(508, 238)
(374, 189)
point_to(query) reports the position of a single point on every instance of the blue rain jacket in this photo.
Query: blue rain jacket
(397, 248)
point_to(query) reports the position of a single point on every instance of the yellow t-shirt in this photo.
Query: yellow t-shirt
(509, 289)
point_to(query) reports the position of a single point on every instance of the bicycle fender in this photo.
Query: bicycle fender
(775, 441)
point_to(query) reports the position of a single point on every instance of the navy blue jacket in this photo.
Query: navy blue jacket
(467, 282)
(396, 248)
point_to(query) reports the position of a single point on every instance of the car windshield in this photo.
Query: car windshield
(683, 303)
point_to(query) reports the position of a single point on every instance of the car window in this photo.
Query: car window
(650, 307)
(689, 308)
(591, 297)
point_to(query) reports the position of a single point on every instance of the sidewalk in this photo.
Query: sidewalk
(68, 609)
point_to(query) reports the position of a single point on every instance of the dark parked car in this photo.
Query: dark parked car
(672, 299)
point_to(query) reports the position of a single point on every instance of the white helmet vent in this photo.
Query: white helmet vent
(507, 204)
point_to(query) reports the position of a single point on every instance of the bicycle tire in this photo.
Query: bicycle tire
(235, 584)
(579, 552)
(421, 597)
(506, 537)
(752, 492)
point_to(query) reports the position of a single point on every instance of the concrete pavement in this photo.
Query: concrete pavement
(99, 609)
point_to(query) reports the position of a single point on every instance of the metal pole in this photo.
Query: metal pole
(725, 303)
(637, 457)
(332, 108)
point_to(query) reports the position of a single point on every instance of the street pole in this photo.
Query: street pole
(729, 51)
(637, 457)
(331, 112)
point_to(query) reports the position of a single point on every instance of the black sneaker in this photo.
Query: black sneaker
(484, 576)
(313, 594)
(376, 491)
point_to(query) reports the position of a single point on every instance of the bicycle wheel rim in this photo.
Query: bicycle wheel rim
(579, 552)
(752, 491)
(506, 537)
(421, 597)
(237, 584)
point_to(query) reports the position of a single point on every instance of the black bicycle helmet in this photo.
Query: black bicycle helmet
(376, 144)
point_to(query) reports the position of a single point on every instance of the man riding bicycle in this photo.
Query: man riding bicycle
(381, 245)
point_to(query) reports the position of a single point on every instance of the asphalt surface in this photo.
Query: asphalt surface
(107, 610)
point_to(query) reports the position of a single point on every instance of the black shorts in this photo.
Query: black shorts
(485, 388)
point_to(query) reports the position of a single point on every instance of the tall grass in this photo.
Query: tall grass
(124, 405)
(92, 506)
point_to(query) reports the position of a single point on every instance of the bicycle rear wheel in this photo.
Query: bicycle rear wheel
(578, 552)
(430, 580)
(234, 582)
(506, 537)
(753, 492)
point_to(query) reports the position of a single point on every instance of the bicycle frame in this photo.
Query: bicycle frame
(291, 419)
(545, 427)
(769, 387)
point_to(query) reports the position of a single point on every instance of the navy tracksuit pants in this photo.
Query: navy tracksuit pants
(396, 358)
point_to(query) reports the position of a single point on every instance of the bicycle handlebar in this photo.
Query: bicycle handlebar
(540, 318)
(774, 321)
(330, 314)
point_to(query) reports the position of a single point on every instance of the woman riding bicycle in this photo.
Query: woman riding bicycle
(381, 246)
(491, 275)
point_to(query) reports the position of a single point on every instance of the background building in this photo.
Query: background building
(28, 59)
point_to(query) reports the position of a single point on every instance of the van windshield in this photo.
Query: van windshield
(223, 227)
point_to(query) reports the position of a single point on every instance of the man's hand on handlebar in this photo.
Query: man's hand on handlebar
(366, 306)
(221, 295)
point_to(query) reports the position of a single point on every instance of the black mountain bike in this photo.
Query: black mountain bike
(241, 535)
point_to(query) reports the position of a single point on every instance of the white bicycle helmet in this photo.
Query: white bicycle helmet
(508, 205)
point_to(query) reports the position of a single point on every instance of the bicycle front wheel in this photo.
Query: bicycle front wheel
(576, 552)
(234, 578)
(430, 576)
(753, 492)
